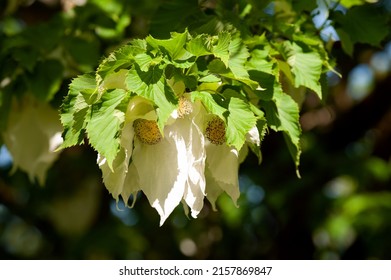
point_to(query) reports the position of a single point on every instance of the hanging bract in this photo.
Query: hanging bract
(32, 136)
(174, 118)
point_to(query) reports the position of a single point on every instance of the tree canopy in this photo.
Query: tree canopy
(276, 112)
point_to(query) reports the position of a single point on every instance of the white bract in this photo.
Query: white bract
(33, 134)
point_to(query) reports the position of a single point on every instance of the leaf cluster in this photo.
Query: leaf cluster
(245, 82)
(247, 61)
(37, 59)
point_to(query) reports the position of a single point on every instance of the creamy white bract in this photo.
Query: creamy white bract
(33, 134)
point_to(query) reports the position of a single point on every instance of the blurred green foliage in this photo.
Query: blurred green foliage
(340, 208)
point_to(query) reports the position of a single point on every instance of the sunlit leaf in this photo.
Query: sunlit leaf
(239, 122)
(221, 50)
(174, 46)
(351, 3)
(198, 46)
(238, 55)
(260, 61)
(306, 67)
(121, 58)
(209, 102)
(105, 123)
(153, 86)
(75, 110)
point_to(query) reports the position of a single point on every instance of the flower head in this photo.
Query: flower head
(147, 131)
(215, 131)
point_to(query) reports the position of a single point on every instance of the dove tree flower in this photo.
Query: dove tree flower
(222, 161)
(175, 118)
(33, 124)
(172, 168)
(167, 169)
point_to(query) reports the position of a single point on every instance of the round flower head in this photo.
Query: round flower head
(147, 131)
(215, 131)
(184, 107)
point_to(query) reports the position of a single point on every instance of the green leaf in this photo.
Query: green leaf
(238, 55)
(109, 19)
(198, 46)
(234, 91)
(216, 66)
(144, 61)
(306, 66)
(152, 85)
(351, 3)
(262, 129)
(26, 57)
(5, 107)
(38, 36)
(233, 56)
(346, 42)
(209, 101)
(294, 150)
(75, 110)
(238, 115)
(104, 127)
(210, 79)
(207, 24)
(258, 113)
(186, 61)
(221, 50)
(267, 82)
(113, 80)
(189, 79)
(303, 5)
(239, 121)
(46, 79)
(85, 51)
(175, 15)
(174, 46)
(260, 61)
(282, 114)
(121, 58)
(362, 24)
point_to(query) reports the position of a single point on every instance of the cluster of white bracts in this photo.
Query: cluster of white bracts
(186, 164)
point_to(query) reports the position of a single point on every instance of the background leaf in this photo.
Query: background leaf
(306, 67)
(362, 24)
(46, 79)
(282, 114)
